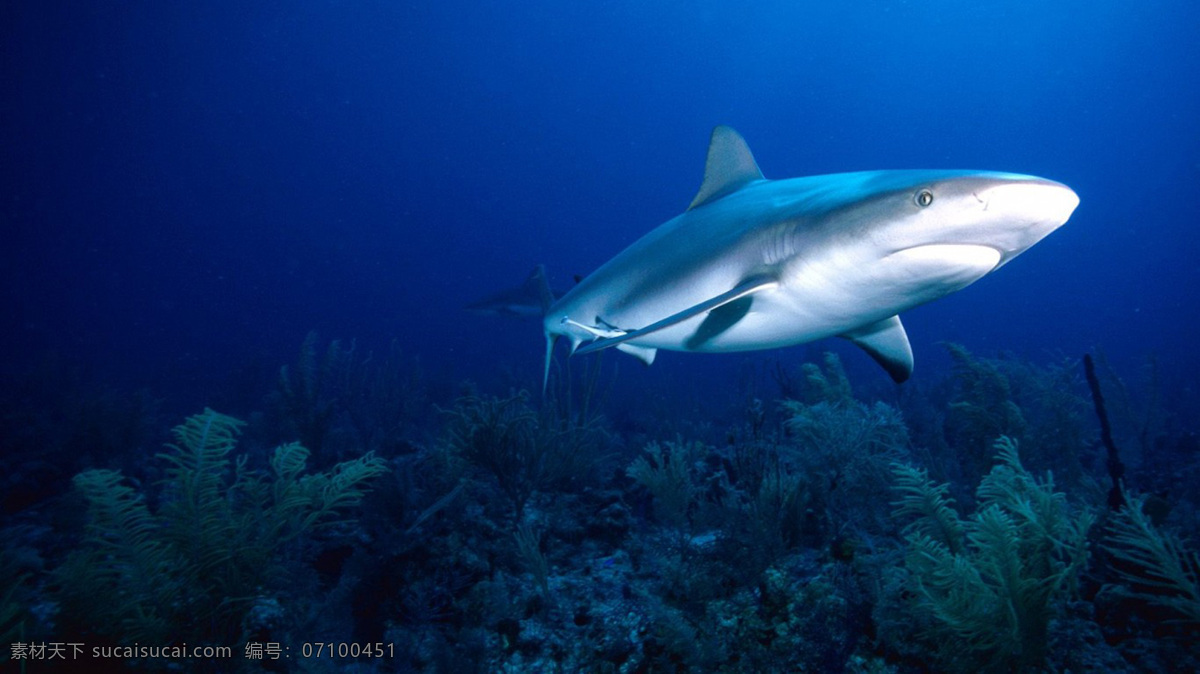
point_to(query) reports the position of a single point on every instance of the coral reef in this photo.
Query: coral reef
(526, 452)
(190, 569)
(988, 600)
(829, 531)
(981, 410)
(1155, 567)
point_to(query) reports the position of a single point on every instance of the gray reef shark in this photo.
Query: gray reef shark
(760, 264)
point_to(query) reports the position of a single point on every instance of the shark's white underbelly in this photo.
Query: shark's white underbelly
(825, 296)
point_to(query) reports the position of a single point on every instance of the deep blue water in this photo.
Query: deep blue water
(189, 187)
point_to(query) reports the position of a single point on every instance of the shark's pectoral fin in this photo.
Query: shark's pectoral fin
(719, 320)
(750, 285)
(887, 343)
(728, 168)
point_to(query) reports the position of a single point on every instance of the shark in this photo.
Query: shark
(756, 264)
(527, 301)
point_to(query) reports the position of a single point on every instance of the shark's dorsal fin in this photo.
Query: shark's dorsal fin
(887, 343)
(729, 166)
(746, 287)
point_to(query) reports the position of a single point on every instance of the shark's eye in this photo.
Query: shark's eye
(924, 198)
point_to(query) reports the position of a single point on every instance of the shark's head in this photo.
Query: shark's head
(980, 215)
(893, 240)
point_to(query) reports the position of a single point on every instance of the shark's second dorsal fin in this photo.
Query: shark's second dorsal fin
(729, 166)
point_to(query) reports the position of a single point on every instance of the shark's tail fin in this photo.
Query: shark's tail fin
(537, 286)
(529, 300)
(550, 339)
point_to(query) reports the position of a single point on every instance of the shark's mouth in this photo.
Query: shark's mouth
(949, 259)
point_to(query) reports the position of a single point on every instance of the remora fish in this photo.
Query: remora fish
(760, 264)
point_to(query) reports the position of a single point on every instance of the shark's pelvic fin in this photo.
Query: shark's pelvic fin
(645, 354)
(729, 166)
(887, 343)
(746, 287)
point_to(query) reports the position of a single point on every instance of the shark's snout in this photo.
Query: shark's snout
(1018, 212)
(1066, 202)
(1038, 201)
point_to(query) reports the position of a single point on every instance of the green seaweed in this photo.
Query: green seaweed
(1157, 568)
(188, 570)
(982, 408)
(988, 604)
(827, 382)
(845, 448)
(930, 505)
(525, 450)
(306, 393)
(665, 470)
(14, 604)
